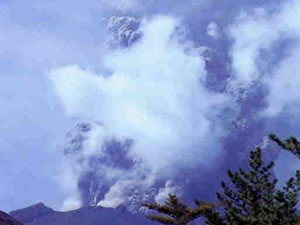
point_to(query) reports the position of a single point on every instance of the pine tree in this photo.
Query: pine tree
(252, 197)
(290, 144)
(174, 212)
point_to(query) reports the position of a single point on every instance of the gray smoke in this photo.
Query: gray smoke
(124, 31)
(184, 100)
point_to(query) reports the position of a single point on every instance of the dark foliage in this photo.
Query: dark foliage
(291, 144)
(251, 198)
(174, 212)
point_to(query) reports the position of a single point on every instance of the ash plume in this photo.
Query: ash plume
(151, 103)
(184, 99)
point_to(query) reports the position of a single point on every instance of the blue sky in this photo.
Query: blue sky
(37, 36)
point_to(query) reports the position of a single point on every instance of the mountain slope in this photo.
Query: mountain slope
(6, 219)
(39, 214)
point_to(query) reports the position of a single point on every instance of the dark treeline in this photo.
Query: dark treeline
(250, 198)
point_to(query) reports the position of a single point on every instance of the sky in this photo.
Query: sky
(120, 102)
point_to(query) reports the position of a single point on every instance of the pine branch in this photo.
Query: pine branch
(161, 219)
(159, 208)
(290, 144)
(177, 212)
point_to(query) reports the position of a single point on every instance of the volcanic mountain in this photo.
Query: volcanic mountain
(39, 214)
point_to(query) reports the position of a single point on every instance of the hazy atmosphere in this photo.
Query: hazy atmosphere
(119, 102)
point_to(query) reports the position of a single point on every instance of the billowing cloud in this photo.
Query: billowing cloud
(155, 95)
(124, 30)
(256, 35)
(251, 35)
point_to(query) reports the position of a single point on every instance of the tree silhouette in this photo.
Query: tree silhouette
(252, 197)
(174, 212)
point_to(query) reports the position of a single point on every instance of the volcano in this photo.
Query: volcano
(39, 214)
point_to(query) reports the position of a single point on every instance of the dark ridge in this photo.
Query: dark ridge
(28, 214)
(40, 214)
(6, 219)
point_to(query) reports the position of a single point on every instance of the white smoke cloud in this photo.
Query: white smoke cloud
(251, 34)
(257, 33)
(121, 191)
(156, 96)
(260, 37)
(68, 179)
(71, 203)
(213, 30)
(284, 86)
(116, 195)
(163, 193)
